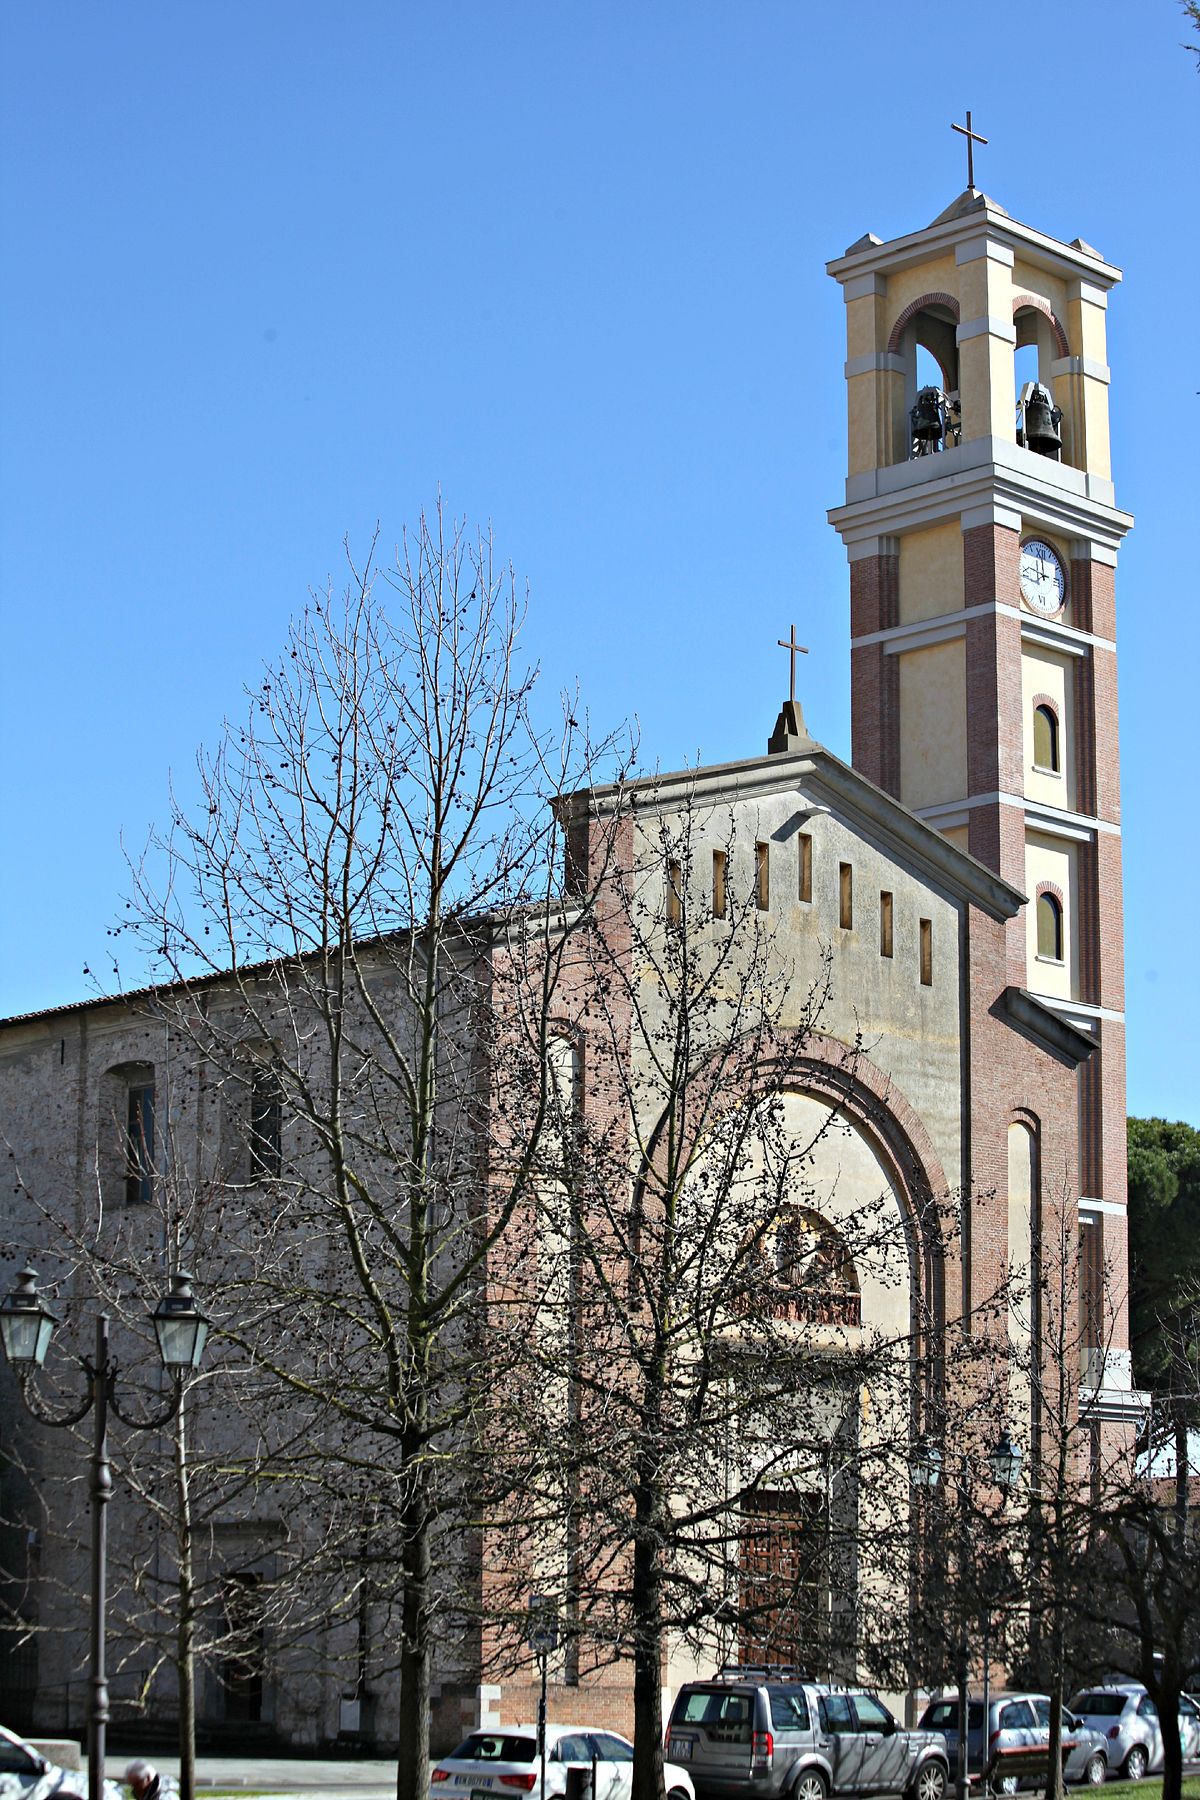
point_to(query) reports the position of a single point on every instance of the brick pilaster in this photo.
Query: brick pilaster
(875, 677)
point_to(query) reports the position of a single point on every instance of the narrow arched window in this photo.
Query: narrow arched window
(1049, 928)
(674, 894)
(1045, 739)
(139, 1144)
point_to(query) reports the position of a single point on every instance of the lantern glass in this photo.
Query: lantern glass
(26, 1323)
(1006, 1460)
(927, 1464)
(181, 1328)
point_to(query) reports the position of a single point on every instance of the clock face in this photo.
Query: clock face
(1043, 582)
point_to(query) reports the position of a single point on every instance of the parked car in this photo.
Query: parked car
(761, 1734)
(506, 1762)
(1017, 1722)
(1129, 1720)
(25, 1774)
(1087, 1760)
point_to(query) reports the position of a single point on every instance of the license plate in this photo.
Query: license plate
(679, 1750)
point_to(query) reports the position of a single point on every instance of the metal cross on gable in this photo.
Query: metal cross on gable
(973, 138)
(796, 649)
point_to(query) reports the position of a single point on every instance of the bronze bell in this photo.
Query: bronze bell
(1042, 420)
(928, 421)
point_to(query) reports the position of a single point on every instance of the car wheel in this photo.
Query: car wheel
(1135, 1763)
(930, 1783)
(1095, 1770)
(678, 1794)
(810, 1785)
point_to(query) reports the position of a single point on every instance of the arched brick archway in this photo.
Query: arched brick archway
(1024, 302)
(858, 1090)
(919, 306)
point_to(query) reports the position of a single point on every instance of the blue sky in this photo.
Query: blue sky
(277, 271)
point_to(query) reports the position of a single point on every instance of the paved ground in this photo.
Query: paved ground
(335, 1780)
(284, 1776)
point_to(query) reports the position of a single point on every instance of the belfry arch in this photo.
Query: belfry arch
(1039, 331)
(929, 323)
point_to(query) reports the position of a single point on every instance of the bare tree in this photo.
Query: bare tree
(1111, 1559)
(1054, 1345)
(212, 1560)
(370, 881)
(1191, 10)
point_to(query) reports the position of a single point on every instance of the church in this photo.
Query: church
(955, 887)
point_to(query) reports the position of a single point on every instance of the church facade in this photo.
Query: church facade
(954, 889)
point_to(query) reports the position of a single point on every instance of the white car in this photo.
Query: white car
(492, 1764)
(25, 1774)
(1128, 1718)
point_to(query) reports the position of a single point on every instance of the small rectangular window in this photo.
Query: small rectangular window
(845, 896)
(885, 924)
(139, 1146)
(805, 843)
(718, 897)
(674, 893)
(762, 875)
(926, 952)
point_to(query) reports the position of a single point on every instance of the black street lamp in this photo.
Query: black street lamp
(1004, 1463)
(26, 1326)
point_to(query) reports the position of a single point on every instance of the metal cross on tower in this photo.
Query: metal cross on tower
(973, 138)
(796, 649)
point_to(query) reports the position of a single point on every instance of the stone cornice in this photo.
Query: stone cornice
(1046, 1028)
(998, 482)
(914, 634)
(974, 218)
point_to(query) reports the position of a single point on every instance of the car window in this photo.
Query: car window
(496, 1746)
(1188, 1708)
(1016, 1716)
(942, 1715)
(1147, 1708)
(789, 1709)
(15, 1759)
(610, 1747)
(704, 1707)
(871, 1715)
(574, 1748)
(1101, 1706)
(837, 1714)
(1042, 1710)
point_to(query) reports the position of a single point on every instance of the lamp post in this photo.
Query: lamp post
(1004, 1463)
(26, 1326)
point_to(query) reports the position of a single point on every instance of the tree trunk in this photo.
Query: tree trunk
(1181, 1473)
(1055, 1787)
(1054, 1770)
(648, 1781)
(1168, 1724)
(185, 1655)
(412, 1769)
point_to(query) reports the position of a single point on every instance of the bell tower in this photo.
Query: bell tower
(982, 535)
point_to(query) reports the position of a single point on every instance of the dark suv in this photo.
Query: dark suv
(774, 1734)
